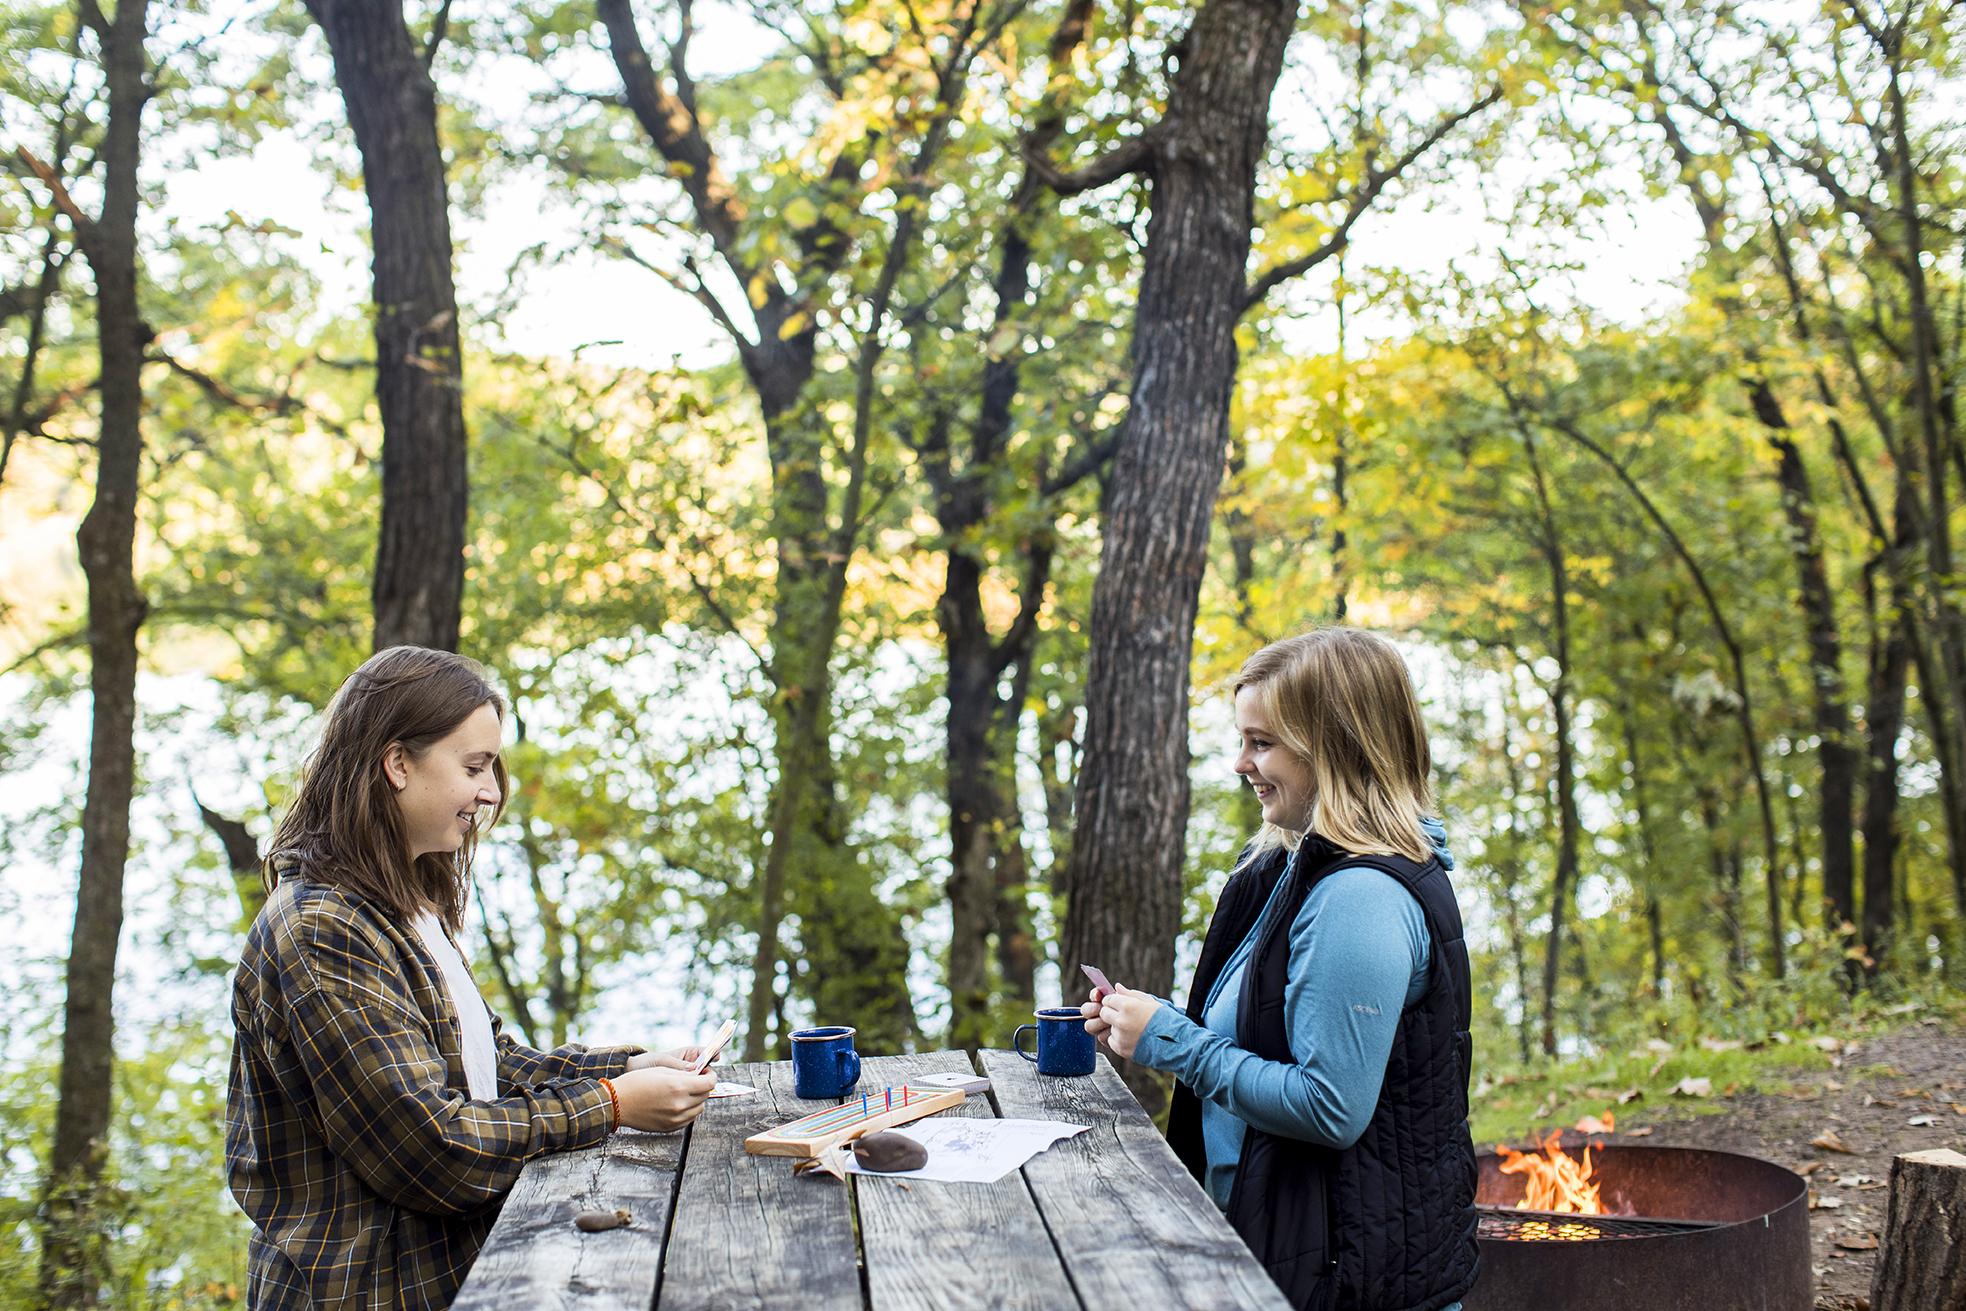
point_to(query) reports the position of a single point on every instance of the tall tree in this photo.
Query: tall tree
(855, 960)
(391, 99)
(1201, 161)
(72, 1266)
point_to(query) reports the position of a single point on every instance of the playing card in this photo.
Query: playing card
(716, 1046)
(1100, 985)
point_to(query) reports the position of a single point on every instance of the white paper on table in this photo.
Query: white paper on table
(966, 1151)
(724, 1089)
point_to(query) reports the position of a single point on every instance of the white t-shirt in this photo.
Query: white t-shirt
(474, 1022)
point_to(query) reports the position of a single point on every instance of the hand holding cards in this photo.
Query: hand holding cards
(716, 1046)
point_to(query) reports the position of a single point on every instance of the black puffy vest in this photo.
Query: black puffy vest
(1387, 1224)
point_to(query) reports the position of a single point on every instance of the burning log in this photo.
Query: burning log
(1923, 1260)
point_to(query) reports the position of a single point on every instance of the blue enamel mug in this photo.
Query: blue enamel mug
(1064, 1047)
(824, 1063)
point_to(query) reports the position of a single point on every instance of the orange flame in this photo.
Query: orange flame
(1556, 1180)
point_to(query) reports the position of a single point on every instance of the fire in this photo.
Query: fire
(1556, 1181)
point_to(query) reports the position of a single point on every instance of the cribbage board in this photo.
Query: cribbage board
(812, 1134)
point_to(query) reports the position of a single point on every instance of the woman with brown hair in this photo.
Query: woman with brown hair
(1322, 1063)
(376, 1116)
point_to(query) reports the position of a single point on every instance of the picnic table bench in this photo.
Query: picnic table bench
(1107, 1220)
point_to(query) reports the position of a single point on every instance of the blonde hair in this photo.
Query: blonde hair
(1341, 701)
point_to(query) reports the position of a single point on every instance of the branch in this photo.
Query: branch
(219, 391)
(85, 227)
(438, 27)
(93, 18)
(1133, 155)
(675, 132)
(699, 293)
(1362, 200)
(1086, 461)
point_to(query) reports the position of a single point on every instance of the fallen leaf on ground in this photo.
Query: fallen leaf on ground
(1811, 1168)
(1633, 1094)
(1693, 1086)
(1657, 1066)
(1877, 1101)
(1852, 1180)
(1831, 1085)
(1720, 1044)
(1732, 1088)
(1905, 1009)
(1549, 1104)
(1826, 1044)
(1645, 1132)
(1957, 1109)
(1920, 1121)
(1655, 1045)
(1913, 1092)
(1591, 1124)
(1829, 1142)
(1930, 1019)
(1871, 1188)
(1819, 1203)
(1858, 1243)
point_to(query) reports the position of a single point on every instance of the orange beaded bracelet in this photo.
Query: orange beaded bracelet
(613, 1101)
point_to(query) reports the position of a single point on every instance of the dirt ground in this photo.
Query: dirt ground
(1913, 1072)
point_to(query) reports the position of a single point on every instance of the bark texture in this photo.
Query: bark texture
(73, 1266)
(1132, 811)
(1837, 753)
(1921, 1264)
(392, 107)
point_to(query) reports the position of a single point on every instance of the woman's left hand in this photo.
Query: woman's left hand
(682, 1058)
(1125, 1013)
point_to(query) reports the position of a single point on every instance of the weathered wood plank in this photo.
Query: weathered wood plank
(1134, 1229)
(747, 1234)
(535, 1258)
(930, 1246)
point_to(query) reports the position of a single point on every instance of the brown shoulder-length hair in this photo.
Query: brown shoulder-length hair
(1340, 700)
(345, 827)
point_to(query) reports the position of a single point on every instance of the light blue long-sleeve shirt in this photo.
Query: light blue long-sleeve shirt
(1359, 955)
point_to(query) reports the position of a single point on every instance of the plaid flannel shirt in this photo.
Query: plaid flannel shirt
(370, 1176)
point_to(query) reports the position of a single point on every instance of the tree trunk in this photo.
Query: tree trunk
(1837, 755)
(1129, 845)
(1921, 1262)
(1565, 781)
(855, 957)
(72, 1266)
(1884, 707)
(392, 107)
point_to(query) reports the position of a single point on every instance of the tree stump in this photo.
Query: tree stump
(1922, 1263)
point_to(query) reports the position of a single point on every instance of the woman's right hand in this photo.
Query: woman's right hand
(660, 1100)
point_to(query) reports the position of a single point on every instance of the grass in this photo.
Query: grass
(1519, 1104)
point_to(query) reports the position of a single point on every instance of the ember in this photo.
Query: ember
(1554, 1180)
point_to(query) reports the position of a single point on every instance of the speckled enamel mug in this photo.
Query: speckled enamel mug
(824, 1063)
(1064, 1047)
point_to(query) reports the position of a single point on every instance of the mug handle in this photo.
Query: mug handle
(849, 1061)
(1017, 1042)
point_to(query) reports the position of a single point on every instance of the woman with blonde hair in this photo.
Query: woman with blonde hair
(376, 1116)
(1322, 1064)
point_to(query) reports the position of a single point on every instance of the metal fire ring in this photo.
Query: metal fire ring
(1737, 1237)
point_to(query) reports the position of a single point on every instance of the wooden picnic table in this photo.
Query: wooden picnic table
(1108, 1220)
